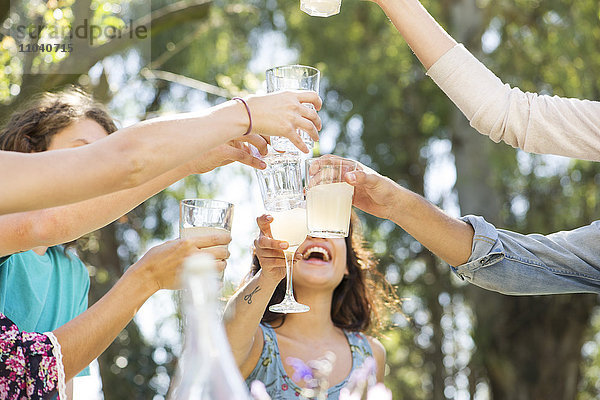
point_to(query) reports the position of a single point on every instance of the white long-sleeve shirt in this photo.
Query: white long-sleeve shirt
(529, 121)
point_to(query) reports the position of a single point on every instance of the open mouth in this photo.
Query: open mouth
(316, 253)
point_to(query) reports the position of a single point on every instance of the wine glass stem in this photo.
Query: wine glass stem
(289, 289)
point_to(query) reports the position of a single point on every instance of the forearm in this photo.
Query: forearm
(424, 35)
(53, 226)
(243, 314)
(168, 142)
(33, 181)
(87, 336)
(125, 159)
(447, 237)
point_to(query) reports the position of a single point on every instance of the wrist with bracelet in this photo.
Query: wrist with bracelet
(248, 111)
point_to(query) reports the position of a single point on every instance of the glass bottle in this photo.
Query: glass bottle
(206, 368)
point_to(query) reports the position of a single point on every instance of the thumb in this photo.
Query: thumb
(360, 178)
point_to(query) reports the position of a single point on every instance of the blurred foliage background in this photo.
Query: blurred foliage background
(453, 341)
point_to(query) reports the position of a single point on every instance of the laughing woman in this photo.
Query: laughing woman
(338, 279)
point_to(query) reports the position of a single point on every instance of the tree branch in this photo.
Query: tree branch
(156, 22)
(162, 19)
(189, 82)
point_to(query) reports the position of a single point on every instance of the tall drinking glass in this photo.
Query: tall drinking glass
(292, 77)
(202, 217)
(328, 197)
(283, 196)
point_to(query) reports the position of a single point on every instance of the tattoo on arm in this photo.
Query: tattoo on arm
(248, 297)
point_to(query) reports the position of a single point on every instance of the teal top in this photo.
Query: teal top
(41, 293)
(269, 368)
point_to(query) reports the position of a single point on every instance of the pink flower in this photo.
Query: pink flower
(16, 364)
(32, 336)
(4, 386)
(40, 347)
(284, 386)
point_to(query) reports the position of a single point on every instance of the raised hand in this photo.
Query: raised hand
(282, 113)
(373, 193)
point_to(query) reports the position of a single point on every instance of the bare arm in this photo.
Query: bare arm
(88, 335)
(447, 237)
(245, 309)
(49, 227)
(424, 35)
(243, 314)
(145, 150)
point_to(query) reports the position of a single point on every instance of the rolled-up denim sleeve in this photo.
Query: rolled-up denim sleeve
(516, 264)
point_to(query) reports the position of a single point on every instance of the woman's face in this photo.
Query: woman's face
(321, 263)
(77, 134)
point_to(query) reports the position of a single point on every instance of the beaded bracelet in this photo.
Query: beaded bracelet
(249, 115)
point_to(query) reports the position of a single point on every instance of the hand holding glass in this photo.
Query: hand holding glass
(283, 197)
(201, 217)
(292, 77)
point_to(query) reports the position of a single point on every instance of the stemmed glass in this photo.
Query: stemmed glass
(289, 225)
(283, 197)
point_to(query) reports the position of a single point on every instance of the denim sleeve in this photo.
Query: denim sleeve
(516, 264)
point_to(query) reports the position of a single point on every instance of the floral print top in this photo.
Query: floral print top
(28, 366)
(270, 371)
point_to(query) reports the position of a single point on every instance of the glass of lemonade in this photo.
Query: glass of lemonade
(328, 197)
(321, 8)
(292, 77)
(283, 197)
(202, 217)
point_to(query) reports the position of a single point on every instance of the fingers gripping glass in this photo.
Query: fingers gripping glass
(292, 77)
(283, 198)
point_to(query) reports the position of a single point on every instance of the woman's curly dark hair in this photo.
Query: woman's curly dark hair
(363, 300)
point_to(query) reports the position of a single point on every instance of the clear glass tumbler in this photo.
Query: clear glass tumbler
(328, 197)
(292, 77)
